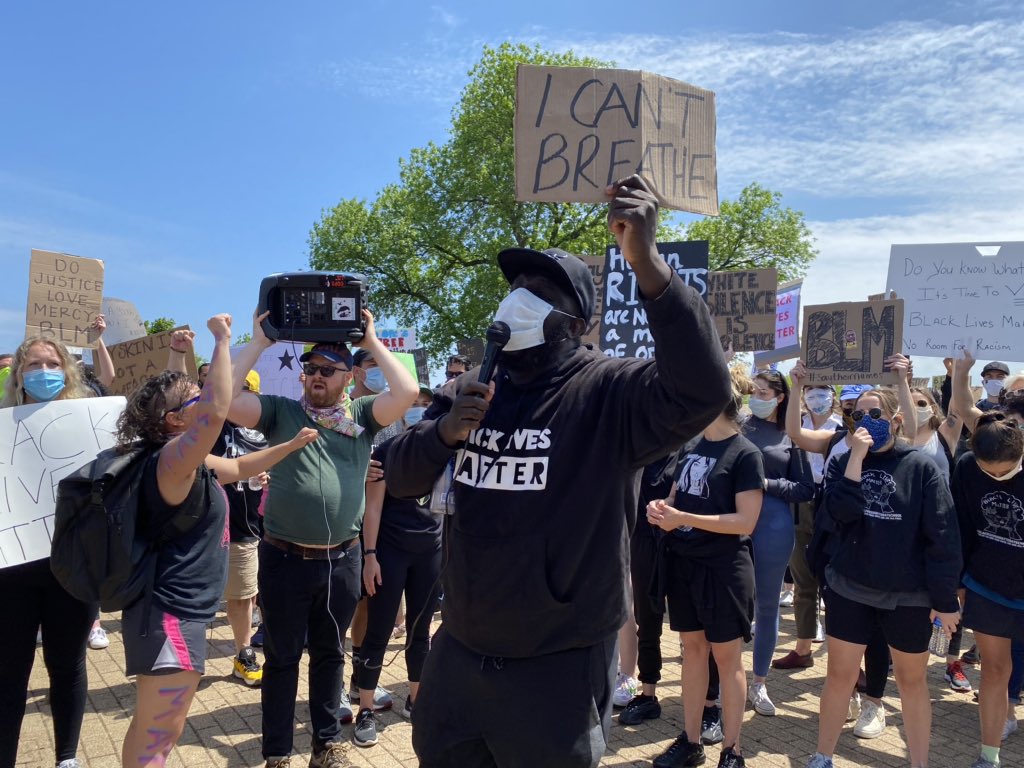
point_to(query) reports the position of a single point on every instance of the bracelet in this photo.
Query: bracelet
(369, 552)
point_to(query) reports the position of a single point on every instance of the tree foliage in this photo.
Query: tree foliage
(428, 243)
(159, 325)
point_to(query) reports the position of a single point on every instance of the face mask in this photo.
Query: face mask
(414, 415)
(993, 387)
(924, 415)
(818, 403)
(1008, 476)
(524, 314)
(44, 385)
(374, 380)
(762, 408)
(879, 429)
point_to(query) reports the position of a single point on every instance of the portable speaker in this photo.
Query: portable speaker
(313, 306)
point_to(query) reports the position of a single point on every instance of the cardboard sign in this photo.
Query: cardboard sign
(743, 306)
(65, 294)
(46, 442)
(279, 368)
(419, 356)
(596, 265)
(138, 360)
(123, 321)
(920, 383)
(846, 343)
(624, 329)
(787, 325)
(398, 339)
(471, 348)
(578, 129)
(937, 382)
(961, 295)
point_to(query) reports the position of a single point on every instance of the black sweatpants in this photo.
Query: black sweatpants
(415, 573)
(643, 555)
(477, 711)
(31, 597)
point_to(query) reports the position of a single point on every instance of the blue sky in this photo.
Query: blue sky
(192, 145)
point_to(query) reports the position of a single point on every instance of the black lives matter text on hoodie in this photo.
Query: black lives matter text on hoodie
(546, 488)
(991, 515)
(897, 529)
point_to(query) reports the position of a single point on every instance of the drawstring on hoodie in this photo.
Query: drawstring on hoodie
(498, 662)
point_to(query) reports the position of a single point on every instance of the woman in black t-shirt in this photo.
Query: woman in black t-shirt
(708, 576)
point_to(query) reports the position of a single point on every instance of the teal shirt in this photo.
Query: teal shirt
(317, 494)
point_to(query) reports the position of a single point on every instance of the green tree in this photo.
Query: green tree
(241, 339)
(427, 244)
(754, 232)
(159, 325)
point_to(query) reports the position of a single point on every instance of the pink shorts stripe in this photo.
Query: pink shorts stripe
(173, 632)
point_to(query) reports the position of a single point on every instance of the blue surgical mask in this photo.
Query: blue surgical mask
(762, 408)
(43, 385)
(414, 415)
(375, 381)
(819, 402)
(879, 429)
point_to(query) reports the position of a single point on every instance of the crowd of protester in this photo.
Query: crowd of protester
(887, 517)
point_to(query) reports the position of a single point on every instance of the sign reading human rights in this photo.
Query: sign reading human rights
(65, 293)
(961, 295)
(578, 129)
(847, 343)
(44, 443)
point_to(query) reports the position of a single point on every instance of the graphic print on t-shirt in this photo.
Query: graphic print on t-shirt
(693, 477)
(878, 487)
(496, 460)
(1003, 513)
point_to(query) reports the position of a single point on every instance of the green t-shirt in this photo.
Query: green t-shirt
(317, 494)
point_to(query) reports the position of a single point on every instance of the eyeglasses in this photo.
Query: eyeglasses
(311, 369)
(452, 374)
(184, 405)
(874, 413)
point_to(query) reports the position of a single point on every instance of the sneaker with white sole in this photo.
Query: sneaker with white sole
(98, 639)
(345, 709)
(365, 732)
(1010, 726)
(786, 598)
(757, 695)
(69, 763)
(334, 754)
(406, 710)
(854, 711)
(871, 723)
(711, 726)
(819, 761)
(381, 698)
(625, 690)
(819, 633)
(956, 678)
(981, 762)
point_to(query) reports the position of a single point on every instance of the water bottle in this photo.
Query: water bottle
(939, 644)
(255, 484)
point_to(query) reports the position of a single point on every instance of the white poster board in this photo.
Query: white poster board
(279, 369)
(42, 444)
(787, 325)
(124, 322)
(398, 339)
(961, 294)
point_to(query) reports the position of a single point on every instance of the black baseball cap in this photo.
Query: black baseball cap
(336, 353)
(359, 356)
(567, 271)
(995, 365)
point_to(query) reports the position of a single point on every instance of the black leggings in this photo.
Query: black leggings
(876, 664)
(415, 573)
(31, 597)
(643, 556)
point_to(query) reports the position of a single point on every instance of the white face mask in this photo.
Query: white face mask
(762, 408)
(993, 387)
(1008, 476)
(524, 314)
(924, 415)
(819, 402)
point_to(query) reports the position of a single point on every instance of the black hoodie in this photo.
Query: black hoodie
(897, 529)
(546, 489)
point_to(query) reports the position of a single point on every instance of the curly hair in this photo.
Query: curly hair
(143, 415)
(14, 389)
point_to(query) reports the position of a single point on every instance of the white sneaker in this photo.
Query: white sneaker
(757, 695)
(98, 638)
(854, 711)
(625, 690)
(1010, 726)
(786, 598)
(257, 616)
(871, 722)
(819, 634)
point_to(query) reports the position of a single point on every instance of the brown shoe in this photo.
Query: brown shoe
(333, 755)
(794, 660)
(279, 762)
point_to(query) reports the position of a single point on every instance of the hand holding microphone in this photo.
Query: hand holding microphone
(474, 397)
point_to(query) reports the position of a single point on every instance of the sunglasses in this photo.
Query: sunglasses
(184, 405)
(923, 404)
(874, 413)
(451, 375)
(311, 369)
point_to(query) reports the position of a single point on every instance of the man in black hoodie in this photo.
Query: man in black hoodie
(546, 463)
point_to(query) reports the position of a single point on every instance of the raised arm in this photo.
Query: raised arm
(181, 347)
(811, 440)
(101, 360)
(391, 405)
(245, 406)
(963, 399)
(901, 365)
(251, 464)
(181, 456)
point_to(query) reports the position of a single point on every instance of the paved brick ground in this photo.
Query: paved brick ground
(223, 727)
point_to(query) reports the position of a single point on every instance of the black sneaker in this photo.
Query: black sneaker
(406, 710)
(640, 708)
(711, 726)
(365, 733)
(680, 754)
(730, 759)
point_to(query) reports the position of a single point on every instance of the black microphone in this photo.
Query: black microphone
(497, 337)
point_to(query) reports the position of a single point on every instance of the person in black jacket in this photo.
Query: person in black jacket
(988, 489)
(896, 566)
(546, 463)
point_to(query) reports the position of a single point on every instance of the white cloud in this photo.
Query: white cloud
(448, 19)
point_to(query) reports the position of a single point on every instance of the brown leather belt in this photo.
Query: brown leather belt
(312, 553)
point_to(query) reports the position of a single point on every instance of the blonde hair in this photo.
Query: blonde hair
(936, 420)
(741, 380)
(1014, 382)
(14, 390)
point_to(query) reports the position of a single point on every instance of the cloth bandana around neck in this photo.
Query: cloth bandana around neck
(335, 417)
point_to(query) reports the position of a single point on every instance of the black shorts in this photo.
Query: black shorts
(170, 644)
(907, 628)
(991, 618)
(717, 597)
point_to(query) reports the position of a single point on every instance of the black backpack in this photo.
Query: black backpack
(102, 551)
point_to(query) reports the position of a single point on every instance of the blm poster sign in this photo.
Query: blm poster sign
(847, 343)
(578, 129)
(65, 293)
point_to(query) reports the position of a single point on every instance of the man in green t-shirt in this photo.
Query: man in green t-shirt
(310, 565)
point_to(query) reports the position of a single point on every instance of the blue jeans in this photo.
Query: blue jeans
(773, 540)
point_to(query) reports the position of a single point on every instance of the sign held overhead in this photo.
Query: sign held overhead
(847, 343)
(578, 129)
(65, 293)
(742, 304)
